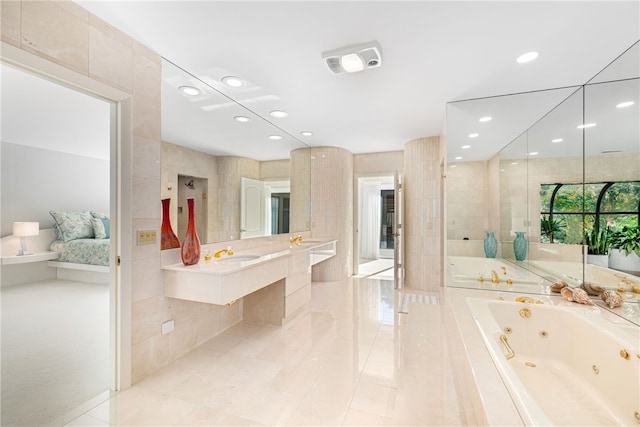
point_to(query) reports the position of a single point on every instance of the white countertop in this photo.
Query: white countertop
(223, 265)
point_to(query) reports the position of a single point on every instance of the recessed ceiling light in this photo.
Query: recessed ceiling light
(533, 153)
(275, 137)
(232, 81)
(485, 119)
(527, 57)
(453, 166)
(190, 90)
(586, 125)
(557, 140)
(279, 114)
(242, 119)
(306, 133)
(458, 157)
(464, 147)
(514, 163)
(625, 104)
(474, 135)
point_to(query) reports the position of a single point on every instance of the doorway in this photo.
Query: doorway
(375, 245)
(59, 336)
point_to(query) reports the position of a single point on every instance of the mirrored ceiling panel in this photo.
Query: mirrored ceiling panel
(477, 129)
(197, 116)
(626, 66)
(612, 111)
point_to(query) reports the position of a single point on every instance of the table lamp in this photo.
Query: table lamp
(24, 230)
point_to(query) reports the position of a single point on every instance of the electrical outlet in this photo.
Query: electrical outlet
(167, 327)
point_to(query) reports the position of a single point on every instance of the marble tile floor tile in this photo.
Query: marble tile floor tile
(343, 363)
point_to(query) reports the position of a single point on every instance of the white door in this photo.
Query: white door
(253, 209)
(398, 233)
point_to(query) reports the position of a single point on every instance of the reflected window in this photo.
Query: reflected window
(567, 209)
(620, 205)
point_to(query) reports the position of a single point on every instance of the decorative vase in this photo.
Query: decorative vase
(490, 245)
(520, 246)
(168, 239)
(190, 251)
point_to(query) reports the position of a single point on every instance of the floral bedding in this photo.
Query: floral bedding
(83, 251)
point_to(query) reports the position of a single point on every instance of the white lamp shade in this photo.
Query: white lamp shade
(22, 229)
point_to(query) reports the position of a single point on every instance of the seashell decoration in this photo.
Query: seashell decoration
(558, 285)
(577, 295)
(612, 299)
(567, 293)
(581, 296)
(592, 289)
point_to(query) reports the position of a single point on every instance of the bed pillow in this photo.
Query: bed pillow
(56, 230)
(105, 221)
(98, 228)
(74, 225)
(99, 215)
(107, 227)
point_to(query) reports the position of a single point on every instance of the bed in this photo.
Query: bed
(83, 251)
(83, 240)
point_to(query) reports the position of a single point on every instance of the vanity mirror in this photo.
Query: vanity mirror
(574, 168)
(215, 142)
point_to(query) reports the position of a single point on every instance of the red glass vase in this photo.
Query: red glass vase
(168, 239)
(191, 244)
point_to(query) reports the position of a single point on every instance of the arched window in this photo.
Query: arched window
(566, 210)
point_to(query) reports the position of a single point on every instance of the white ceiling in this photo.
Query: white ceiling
(433, 53)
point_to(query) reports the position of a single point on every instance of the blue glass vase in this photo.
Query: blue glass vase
(490, 245)
(520, 246)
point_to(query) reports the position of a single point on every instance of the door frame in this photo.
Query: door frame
(120, 189)
(358, 178)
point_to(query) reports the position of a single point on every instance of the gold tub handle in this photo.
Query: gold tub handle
(505, 342)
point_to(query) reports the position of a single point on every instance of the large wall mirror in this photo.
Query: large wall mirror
(248, 176)
(567, 182)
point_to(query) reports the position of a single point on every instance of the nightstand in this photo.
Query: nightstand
(24, 259)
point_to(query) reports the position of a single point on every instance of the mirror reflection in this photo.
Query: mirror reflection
(235, 164)
(569, 184)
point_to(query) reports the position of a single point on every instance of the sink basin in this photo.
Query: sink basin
(239, 258)
(310, 242)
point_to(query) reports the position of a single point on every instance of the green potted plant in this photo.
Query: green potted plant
(625, 249)
(598, 242)
(552, 229)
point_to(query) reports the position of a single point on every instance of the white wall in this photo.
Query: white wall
(35, 181)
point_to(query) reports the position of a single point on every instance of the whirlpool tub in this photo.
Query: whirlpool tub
(563, 364)
(473, 268)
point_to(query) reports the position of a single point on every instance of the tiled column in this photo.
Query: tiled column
(300, 205)
(332, 208)
(422, 216)
(231, 170)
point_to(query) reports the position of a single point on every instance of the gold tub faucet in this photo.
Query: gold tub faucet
(494, 277)
(296, 239)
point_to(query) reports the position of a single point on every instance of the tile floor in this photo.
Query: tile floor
(55, 349)
(352, 360)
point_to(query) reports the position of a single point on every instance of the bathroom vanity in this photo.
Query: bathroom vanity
(274, 281)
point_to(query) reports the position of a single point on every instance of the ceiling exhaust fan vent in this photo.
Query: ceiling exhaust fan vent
(352, 59)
